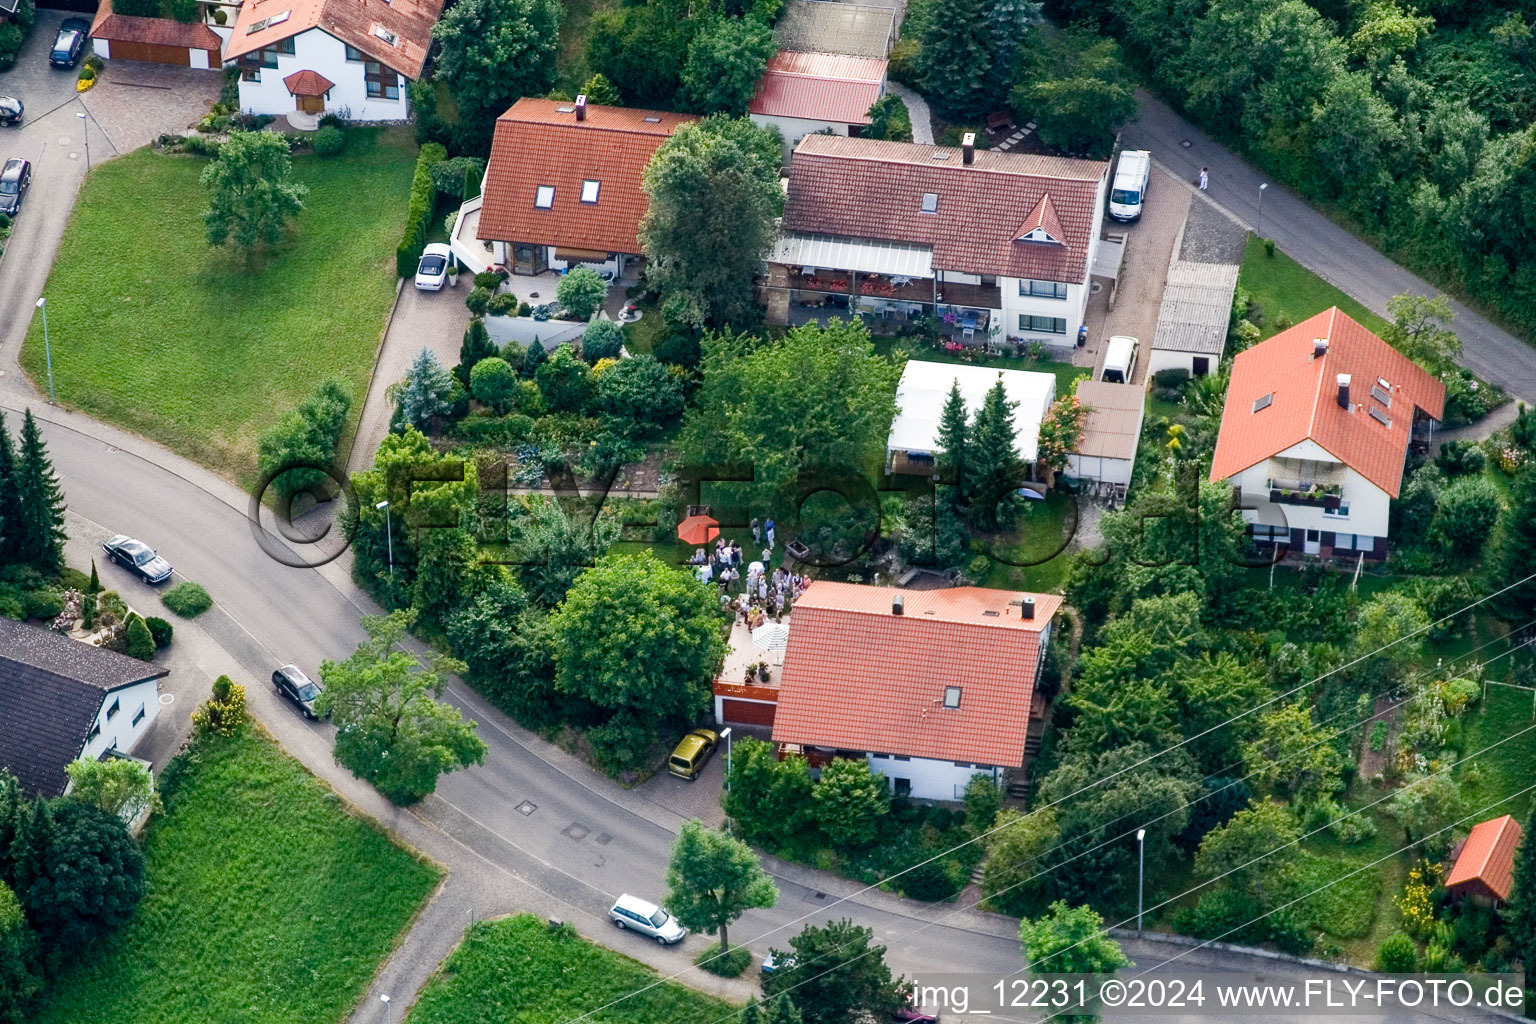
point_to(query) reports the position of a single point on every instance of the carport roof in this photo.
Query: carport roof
(1112, 428)
(830, 27)
(1197, 306)
(124, 28)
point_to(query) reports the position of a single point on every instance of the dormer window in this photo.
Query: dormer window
(544, 198)
(930, 202)
(1039, 235)
(589, 190)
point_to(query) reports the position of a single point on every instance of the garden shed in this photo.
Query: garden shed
(1192, 322)
(1111, 433)
(154, 40)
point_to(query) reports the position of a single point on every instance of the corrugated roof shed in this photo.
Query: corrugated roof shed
(1197, 306)
(1112, 428)
(830, 27)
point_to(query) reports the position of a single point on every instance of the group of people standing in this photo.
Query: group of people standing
(750, 590)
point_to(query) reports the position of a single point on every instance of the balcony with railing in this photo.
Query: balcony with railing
(1306, 493)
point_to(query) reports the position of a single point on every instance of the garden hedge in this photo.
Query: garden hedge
(423, 204)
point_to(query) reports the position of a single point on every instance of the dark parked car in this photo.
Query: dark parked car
(138, 558)
(10, 110)
(14, 179)
(69, 43)
(291, 682)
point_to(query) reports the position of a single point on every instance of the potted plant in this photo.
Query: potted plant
(765, 673)
(453, 274)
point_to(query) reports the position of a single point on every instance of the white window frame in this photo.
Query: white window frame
(590, 189)
(544, 197)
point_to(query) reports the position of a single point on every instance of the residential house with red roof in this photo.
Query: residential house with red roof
(999, 245)
(803, 92)
(930, 687)
(562, 188)
(1483, 867)
(1316, 428)
(353, 58)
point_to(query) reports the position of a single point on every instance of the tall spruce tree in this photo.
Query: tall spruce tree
(1520, 917)
(477, 345)
(1516, 558)
(953, 441)
(994, 467)
(10, 501)
(40, 503)
(955, 61)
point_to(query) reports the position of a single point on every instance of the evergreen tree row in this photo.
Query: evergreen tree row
(31, 502)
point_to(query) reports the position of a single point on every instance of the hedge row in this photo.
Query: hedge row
(423, 204)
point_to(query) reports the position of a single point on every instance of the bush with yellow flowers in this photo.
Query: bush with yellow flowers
(222, 714)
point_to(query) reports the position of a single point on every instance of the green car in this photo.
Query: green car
(689, 755)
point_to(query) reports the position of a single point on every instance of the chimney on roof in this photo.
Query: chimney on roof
(1027, 609)
(968, 148)
(1319, 347)
(897, 601)
(1343, 390)
(581, 108)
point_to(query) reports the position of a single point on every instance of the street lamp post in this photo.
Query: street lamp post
(85, 129)
(725, 734)
(388, 1010)
(42, 304)
(1141, 874)
(389, 533)
(1258, 228)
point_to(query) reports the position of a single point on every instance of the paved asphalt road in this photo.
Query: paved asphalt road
(1317, 243)
(501, 860)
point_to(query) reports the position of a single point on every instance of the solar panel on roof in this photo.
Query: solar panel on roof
(1264, 402)
(1380, 417)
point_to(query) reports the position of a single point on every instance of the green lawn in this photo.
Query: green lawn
(267, 902)
(156, 332)
(1281, 285)
(516, 971)
(1041, 532)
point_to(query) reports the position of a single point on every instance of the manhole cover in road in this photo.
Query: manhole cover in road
(576, 831)
(812, 897)
(526, 808)
(603, 839)
(1186, 143)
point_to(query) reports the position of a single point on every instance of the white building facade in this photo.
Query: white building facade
(1306, 498)
(124, 717)
(363, 89)
(923, 778)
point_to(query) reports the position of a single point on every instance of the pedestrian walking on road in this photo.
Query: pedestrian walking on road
(1205, 178)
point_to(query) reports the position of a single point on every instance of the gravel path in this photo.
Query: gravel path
(917, 109)
(1211, 236)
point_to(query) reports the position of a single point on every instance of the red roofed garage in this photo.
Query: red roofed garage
(154, 40)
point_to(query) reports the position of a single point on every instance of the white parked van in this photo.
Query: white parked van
(1120, 360)
(1129, 190)
(635, 914)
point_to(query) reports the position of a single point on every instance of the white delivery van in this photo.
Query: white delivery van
(1120, 359)
(1129, 189)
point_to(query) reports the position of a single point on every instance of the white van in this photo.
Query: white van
(1120, 360)
(633, 913)
(1129, 189)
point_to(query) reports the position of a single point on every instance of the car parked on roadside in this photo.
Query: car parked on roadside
(911, 1014)
(138, 558)
(691, 752)
(11, 110)
(294, 685)
(636, 915)
(775, 962)
(15, 176)
(69, 44)
(432, 268)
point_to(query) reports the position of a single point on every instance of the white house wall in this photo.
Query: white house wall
(1160, 359)
(319, 51)
(1069, 309)
(796, 128)
(1369, 506)
(119, 729)
(1097, 467)
(931, 780)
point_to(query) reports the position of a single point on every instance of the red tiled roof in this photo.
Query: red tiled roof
(540, 142)
(308, 83)
(1043, 216)
(857, 677)
(355, 22)
(827, 87)
(1305, 405)
(123, 28)
(868, 188)
(1488, 855)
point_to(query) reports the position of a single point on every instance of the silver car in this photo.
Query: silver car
(637, 915)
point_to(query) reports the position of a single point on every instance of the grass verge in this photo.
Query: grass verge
(519, 969)
(156, 332)
(267, 901)
(1281, 285)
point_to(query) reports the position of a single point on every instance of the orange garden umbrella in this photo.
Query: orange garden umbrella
(698, 530)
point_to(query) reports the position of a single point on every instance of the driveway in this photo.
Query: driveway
(1319, 244)
(1144, 275)
(434, 320)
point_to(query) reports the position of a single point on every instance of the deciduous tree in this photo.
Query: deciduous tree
(1256, 848)
(250, 199)
(850, 800)
(1420, 330)
(116, 785)
(1070, 940)
(81, 874)
(713, 879)
(1075, 86)
(838, 975)
(293, 448)
(492, 52)
(726, 60)
(1017, 866)
(391, 730)
(581, 292)
(769, 799)
(1293, 750)
(1426, 808)
(713, 191)
(19, 981)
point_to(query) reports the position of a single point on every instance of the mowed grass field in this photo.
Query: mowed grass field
(517, 971)
(268, 902)
(155, 331)
(1281, 285)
